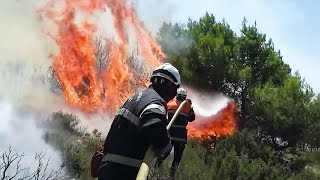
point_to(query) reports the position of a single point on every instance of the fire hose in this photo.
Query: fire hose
(144, 168)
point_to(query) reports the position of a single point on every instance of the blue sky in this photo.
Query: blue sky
(293, 25)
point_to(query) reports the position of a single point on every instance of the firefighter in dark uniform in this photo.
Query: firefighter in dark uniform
(139, 123)
(178, 130)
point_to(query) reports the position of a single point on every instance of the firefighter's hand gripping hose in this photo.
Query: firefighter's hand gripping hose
(144, 168)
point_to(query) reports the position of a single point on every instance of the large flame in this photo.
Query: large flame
(90, 88)
(84, 86)
(223, 124)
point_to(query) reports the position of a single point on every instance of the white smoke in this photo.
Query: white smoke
(100, 121)
(207, 105)
(24, 63)
(26, 100)
(24, 52)
(153, 13)
(19, 131)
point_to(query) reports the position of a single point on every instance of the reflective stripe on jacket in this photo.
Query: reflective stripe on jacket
(139, 122)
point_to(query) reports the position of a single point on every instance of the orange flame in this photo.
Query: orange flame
(224, 123)
(91, 89)
(83, 85)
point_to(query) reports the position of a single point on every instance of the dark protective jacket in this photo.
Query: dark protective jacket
(178, 130)
(140, 122)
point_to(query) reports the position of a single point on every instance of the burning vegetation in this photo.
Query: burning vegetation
(84, 85)
(209, 130)
(100, 73)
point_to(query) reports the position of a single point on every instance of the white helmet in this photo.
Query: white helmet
(182, 92)
(169, 72)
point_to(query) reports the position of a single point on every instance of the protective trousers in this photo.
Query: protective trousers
(178, 148)
(115, 171)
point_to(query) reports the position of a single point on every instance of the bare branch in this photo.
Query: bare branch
(54, 81)
(102, 54)
(18, 168)
(10, 159)
(45, 169)
(103, 57)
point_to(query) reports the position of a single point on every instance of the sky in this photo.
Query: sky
(292, 25)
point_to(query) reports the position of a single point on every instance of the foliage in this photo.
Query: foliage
(279, 110)
(283, 113)
(76, 145)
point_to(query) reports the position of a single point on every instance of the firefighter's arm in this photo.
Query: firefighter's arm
(191, 116)
(153, 126)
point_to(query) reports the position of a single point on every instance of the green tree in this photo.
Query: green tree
(218, 60)
(257, 63)
(283, 113)
(203, 62)
(210, 53)
(312, 134)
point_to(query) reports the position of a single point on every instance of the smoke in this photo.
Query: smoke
(19, 131)
(100, 121)
(207, 104)
(23, 89)
(215, 115)
(20, 33)
(153, 13)
(26, 100)
(24, 51)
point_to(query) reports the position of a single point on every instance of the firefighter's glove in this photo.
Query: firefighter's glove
(189, 101)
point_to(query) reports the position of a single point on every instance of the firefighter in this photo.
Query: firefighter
(178, 130)
(139, 123)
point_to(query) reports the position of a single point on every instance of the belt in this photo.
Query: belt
(122, 160)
